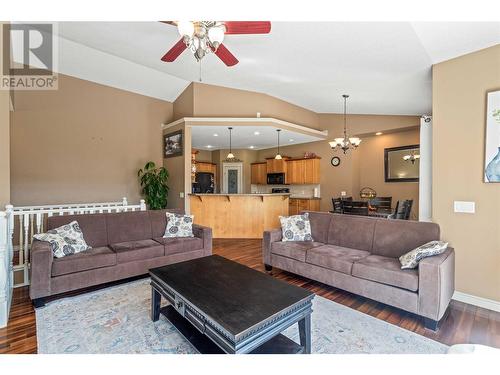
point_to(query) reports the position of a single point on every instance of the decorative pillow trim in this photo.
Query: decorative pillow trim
(179, 225)
(296, 228)
(65, 240)
(412, 258)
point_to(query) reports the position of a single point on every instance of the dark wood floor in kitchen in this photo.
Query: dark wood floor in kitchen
(464, 324)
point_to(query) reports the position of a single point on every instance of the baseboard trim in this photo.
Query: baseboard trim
(477, 301)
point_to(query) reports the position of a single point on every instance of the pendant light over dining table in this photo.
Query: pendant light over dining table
(345, 143)
(278, 155)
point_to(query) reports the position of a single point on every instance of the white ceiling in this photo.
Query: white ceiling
(385, 67)
(245, 137)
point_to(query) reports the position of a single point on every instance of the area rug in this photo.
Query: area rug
(116, 320)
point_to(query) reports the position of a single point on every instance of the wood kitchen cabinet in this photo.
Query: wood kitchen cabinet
(297, 205)
(259, 173)
(276, 165)
(303, 171)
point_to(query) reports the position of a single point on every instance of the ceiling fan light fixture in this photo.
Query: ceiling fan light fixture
(216, 34)
(185, 28)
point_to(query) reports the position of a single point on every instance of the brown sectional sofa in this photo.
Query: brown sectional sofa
(360, 255)
(123, 245)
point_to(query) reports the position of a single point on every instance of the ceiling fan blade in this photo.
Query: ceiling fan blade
(248, 27)
(226, 56)
(173, 23)
(175, 51)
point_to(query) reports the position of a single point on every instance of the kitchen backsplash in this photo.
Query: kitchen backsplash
(305, 191)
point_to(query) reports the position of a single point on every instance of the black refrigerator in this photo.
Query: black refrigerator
(204, 183)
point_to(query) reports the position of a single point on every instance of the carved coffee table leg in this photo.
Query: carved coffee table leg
(305, 333)
(155, 304)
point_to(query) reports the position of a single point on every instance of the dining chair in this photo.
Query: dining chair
(355, 208)
(337, 205)
(402, 210)
(384, 203)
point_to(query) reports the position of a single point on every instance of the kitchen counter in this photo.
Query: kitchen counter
(239, 215)
(302, 197)
(240, 195)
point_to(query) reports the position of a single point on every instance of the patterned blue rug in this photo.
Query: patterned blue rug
(116, 320)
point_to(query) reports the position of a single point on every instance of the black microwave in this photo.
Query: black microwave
(275, 178)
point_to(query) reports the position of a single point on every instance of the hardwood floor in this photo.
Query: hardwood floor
(464, 324)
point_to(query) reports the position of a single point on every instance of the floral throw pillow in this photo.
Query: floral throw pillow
(412, 258)
(179, 225)
(296, 228)
(65, 240)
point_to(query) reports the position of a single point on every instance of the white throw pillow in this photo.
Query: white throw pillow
(179, 225)
(65, 240)
(412, 258)
(296, 228)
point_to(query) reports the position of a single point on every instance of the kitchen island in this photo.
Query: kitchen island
(239, 215)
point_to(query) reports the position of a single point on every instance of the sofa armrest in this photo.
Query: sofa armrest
(205, 233)
(436, 278)
(41, 258)
(269, 237)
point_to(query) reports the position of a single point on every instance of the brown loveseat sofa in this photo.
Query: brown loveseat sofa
(360, 255)
(123, 245)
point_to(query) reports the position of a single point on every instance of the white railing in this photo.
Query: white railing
(32, 220)
(6, 272)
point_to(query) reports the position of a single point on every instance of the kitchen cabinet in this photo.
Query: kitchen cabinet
(297, 205)
(205, 166)
(303, 171)
(259, 173)
(276, 165)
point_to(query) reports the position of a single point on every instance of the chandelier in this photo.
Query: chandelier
(412, 157)
(201, 37)
(346, 143)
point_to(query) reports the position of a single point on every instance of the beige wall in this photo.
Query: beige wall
(82, 143)
(217, 101)
(4, 140)
(176, 167)
(4, 149)
(371, 167)
(459, 104)
(184, 104)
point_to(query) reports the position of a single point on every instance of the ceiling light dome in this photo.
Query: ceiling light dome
(216, 34)
(186, 28)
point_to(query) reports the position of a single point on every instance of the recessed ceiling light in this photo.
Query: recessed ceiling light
(216, 135)
(256, 133)
(209, 146)
(251, 146)
(379, 133)
(292, 140)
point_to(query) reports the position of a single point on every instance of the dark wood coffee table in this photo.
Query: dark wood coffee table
(222, 306)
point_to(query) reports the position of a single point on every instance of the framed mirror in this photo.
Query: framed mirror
(402, 164)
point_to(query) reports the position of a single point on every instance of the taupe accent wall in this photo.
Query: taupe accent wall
(4, 140)
(176, 167)
(459, 104)
(202, 100)
(83, 143)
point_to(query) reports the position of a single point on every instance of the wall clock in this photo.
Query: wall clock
(335, 161)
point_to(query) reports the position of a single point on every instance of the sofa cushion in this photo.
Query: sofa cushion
(295, 250)
(354, 232)
(336, 258)
(387, 271)
(175, 245)
(393, 238)
(137, 250)
(158, 220)
(128, 226)
(64, 240)
(320, 222)
(96, 257)
(93, 227)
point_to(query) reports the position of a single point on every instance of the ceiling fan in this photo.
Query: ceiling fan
(203, 37)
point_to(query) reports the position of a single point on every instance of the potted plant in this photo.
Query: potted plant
(154, 185)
